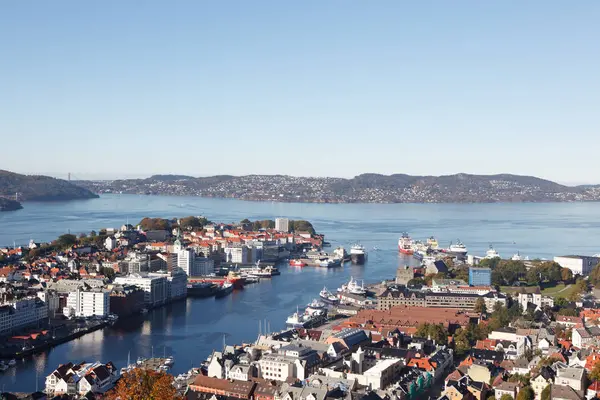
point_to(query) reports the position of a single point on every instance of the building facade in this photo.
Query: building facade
(21, 313)
(88, 303)
(154, 287)
(282, 224)
(480, 276)
(579, 265)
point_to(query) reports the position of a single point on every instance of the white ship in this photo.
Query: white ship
(354, 288)
(518, 257)
(358, 254)
(491, 253)
(458, 248)
(305, 320)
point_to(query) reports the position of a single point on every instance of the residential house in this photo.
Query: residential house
(541, 380)
(558, 392)
(572, 377)
(506, 388)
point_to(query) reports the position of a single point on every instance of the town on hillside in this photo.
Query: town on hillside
(456, 327)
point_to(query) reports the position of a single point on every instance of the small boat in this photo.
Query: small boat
(315, 306)
(354, 288)
(491, 253)
(328, 297)
(169, 361)
(224, 290)
(330, 262)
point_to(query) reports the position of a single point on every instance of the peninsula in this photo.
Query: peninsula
(365, 188)
(20, 187)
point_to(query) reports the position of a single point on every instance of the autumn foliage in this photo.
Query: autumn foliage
(143, 384)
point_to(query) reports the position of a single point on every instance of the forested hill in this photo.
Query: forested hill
(366, 188)
(40, 188)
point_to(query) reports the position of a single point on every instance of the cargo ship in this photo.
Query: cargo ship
(458, 249)
(232, 277)
(328, 297)
(405, 244)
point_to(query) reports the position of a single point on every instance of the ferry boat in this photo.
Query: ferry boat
(297, 263)
(491, 253)
(518, 257)
(265, 272)
(354, 288)
(458, 249)
(357, 254)
(405, 244)
(328, 297)
(224, 290)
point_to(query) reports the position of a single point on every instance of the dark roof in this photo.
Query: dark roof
(487, 355)
(441, 266)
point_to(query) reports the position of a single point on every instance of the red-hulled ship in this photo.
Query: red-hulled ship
(297, 263)
(405, 244)
(233, 277)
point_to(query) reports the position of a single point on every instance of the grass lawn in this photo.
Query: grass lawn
(559, 290)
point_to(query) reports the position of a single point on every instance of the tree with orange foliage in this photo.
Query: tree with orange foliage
(144, 384)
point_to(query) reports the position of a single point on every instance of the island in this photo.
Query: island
(37, 188)
(365, 188)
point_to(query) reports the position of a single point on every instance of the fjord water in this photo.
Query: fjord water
(191, 329)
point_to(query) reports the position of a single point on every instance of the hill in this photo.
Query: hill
(40, 188)
(365, 188)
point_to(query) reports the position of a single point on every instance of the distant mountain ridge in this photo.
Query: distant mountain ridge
(364, 188)
(40, 188)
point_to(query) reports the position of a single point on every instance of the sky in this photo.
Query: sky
(117, 89)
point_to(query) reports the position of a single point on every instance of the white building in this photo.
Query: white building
(240, 255)
(88, 303)
(135, 263)
(50, 298)
(194, 265)
(21, 313)
(282, 224)
(535, 298)
(110, 243)
(579, 265)
(155, 287)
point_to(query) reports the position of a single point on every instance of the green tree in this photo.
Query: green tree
(480, 306)
(245, 221)
(462, 343)
(526, 393)
(154, 224)
(506, 397)
(436, 332)
(560, 302)
(33, 254)
(300, 225)
(108, 272)
(546, 393)
(65, 241)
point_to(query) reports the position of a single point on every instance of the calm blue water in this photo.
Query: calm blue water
(191, 329)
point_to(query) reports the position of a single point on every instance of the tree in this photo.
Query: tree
(65, 241)
(480, 306)
(191, 222)
(144, 384)
(560, 302)
(506, 397)
(300, 225)
(461, 341)
(436, 332)
(566, 274)
(595, 373)
(581, 286)
(526, 393)
(108, 272)
(245, 221)
(595, 275)
(154, 224)
(546, 393)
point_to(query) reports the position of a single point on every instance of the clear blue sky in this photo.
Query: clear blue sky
(317, 88)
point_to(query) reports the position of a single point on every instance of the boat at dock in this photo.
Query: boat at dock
(262, 272)
(315, 306)
(353, 287)
(358, 254)
(297, 263)
(432, 243)
(305, 319)
(405, 244)
(491, 253)
(224, 290)
(201, 289)
(328, 297)
(330, 262)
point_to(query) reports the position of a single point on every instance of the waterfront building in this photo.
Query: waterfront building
(185, 260)
(155, 287)
(193, 265)
(126, 299)
(71, 285)
(176, 283)
(404, 274)
(20, 313)
(282, 224)
(396, 296)
(579, 265)
(480, 276)
(222, 387)
(51, 299)
(240, 254)
(81, 379)
(88, 303)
